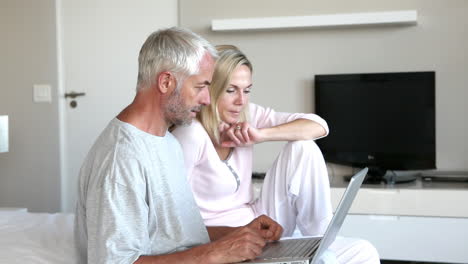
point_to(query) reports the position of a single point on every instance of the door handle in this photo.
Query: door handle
(73, 95)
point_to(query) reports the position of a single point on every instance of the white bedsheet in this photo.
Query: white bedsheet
(36, 238)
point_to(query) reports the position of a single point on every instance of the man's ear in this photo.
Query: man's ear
(166, 81)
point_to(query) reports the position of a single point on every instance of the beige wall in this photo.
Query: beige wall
(98, 43)
(29, 173)
(285, 61)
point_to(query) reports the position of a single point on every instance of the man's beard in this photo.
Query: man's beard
(177, 113)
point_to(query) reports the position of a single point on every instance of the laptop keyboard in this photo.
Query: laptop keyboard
(291, 248)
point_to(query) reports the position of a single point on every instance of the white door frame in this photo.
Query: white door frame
(110, 77)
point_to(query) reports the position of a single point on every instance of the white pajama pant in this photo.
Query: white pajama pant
(296, 193)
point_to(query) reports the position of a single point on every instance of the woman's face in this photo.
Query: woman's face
(236, 96)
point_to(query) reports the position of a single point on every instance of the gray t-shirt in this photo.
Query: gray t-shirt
(134, 199)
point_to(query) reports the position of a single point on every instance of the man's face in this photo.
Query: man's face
(185, 103)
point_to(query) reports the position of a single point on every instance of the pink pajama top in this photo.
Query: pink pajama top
(223, 189)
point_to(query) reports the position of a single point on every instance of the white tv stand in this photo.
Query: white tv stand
(417, 221)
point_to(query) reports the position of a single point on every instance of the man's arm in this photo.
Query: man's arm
(231, 244)
(216, 232)
(238, 245)
(200, 254)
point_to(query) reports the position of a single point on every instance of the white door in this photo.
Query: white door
(98, 43)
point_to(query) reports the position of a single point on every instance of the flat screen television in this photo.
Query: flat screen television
(384, 121)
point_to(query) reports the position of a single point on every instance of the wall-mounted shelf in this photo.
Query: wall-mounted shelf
(405, 17)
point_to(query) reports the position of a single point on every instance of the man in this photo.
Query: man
(134, 203)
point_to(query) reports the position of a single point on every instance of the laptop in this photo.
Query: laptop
(309, 250)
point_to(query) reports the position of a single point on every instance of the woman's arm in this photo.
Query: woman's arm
(300, 129)
(243, 134)
(268, 125)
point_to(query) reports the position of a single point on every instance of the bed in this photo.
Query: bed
(36, 237)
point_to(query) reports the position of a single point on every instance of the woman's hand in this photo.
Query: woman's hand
(239, 135)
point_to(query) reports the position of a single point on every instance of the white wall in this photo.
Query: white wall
(285, 61)
(99, 42)
(29, 173)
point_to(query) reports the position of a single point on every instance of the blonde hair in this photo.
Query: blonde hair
(229, 58)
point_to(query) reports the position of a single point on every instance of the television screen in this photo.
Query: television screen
(385, 121)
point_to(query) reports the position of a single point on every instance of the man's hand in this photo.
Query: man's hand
(245, 242)
(239, 135)
(239, 245)
(268, 228)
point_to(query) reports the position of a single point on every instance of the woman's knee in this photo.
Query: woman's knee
(303, 147)
(306, 165)
(355, 250)
(370, 253)
(365, 252)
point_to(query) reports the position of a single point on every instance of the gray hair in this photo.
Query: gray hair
(176, 50)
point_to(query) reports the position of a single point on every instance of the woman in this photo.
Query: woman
(218, 155)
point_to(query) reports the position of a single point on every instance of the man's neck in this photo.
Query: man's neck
(146, 114)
